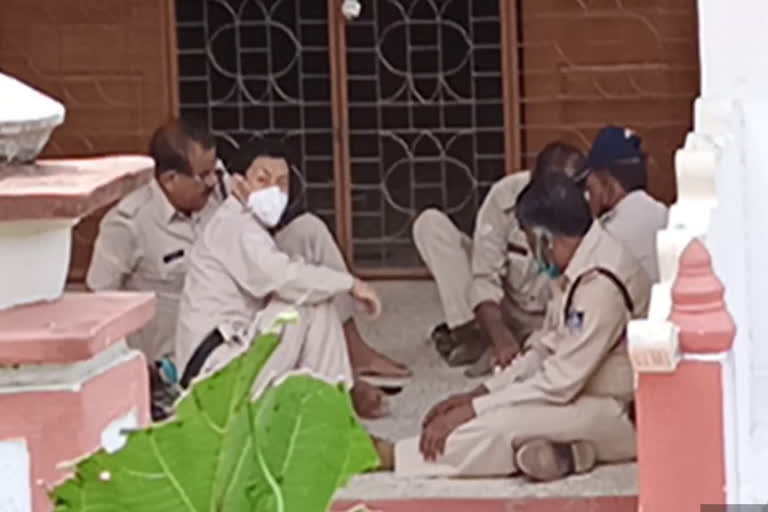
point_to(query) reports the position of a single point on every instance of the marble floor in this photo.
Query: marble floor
(411, 309)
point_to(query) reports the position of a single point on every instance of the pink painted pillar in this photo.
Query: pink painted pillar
(681, 448)
(69, 384)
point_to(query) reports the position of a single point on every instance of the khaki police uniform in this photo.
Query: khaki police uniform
(635, 220)
(574, 383)
(494, 266)
(143, 245)
(241, 278)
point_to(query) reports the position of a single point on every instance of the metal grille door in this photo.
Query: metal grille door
(388, 114)
(261, 67)
(426, 119)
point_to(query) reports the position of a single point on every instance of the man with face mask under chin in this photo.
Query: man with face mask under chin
(615, 177)
(241, 277)
(565, 403)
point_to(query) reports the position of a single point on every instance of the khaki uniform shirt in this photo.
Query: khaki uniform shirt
(143, 245)
(234, 269)
(635, 220)
(502, 263)
(580, 348)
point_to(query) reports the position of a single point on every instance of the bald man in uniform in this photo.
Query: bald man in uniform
(615, 177)
(490, 288)
(242, 276)
(564, 404)
(144, 241)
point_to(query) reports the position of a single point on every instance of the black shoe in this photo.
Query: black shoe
(471, 344)
(483, 367)
(466, 354)
(443, 339)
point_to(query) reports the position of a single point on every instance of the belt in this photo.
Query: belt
(211, 342)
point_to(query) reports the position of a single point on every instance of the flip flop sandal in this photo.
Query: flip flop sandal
(389, 385)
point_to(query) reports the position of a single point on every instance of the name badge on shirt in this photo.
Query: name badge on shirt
(173, 256)
(575, 320)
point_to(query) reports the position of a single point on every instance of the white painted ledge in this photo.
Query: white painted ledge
(661, 301)
(15, 491)
(34, 260)
(64, 377)
(653, 346)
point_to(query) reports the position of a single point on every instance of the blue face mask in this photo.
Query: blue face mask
(548, 268)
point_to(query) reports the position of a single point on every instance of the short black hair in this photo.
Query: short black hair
(632, 174)
(556, 203)
(268, 147)
(169, 147)
(559, 156)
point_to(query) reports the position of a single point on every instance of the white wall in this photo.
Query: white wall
(733, 114)
(732, 39)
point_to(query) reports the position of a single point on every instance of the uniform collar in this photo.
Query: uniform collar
(232, 203)
(163, 207)
(633, 197)
(583, 259)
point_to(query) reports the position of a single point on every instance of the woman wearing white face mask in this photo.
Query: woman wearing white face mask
(241, 275)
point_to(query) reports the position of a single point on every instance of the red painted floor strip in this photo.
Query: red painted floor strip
(597, 504)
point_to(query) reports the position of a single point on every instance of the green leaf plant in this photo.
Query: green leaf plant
(287, 451)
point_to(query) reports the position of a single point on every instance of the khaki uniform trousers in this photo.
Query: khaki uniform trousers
(484, 447)
(316, 343)
(447, 253)
(308, 236)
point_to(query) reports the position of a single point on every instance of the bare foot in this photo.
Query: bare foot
(366, 360)
(369, 402)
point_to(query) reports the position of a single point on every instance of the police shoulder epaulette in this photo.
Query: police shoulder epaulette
(131, 204)
(592, 274)
(588, 276)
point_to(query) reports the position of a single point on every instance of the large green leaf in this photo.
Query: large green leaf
(202, 460)
(309, 444)
(223, 452)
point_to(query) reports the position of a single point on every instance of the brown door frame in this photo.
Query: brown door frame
(511, 79)
(173, 58)
(511, 75)
(337, 54)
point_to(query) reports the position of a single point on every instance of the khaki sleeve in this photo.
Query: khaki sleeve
(579, 352)
(263, 269)
(489, 252)
(536, 350)
(115, 252)
(521, 368)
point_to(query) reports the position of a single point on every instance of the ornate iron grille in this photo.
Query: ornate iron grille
(426, 118)
(260, 68)
(424, 97)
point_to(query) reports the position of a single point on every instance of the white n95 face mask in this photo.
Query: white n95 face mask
(268, 205)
